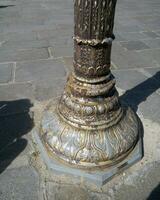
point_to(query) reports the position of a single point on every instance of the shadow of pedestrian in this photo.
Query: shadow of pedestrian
(155, 194)
(6, 6)
(15, 122)
(139, 93)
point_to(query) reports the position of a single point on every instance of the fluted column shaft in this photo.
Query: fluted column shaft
(93, 31)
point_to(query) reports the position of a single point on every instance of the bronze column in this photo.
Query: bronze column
(90, 128)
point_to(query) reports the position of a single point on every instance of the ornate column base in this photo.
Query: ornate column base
(55, 136)
(89, 149)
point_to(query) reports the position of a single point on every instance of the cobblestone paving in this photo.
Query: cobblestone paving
(35, 58)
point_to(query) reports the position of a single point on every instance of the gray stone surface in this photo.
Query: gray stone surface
(141, 188)
(152, 55)
(49, 89)
(125, 36)
(23, 55)
(47, 77)
(32, 32)
(152, 71)
(62, 41)
(6, 73)
(134, 45)
(20, 184)
(16, 36)
(154, 43)
(68, 61)
(149, 107)
(151, 34)
(41, 70)
(124, 59)
(24, 45)
(125, 79)
(158, 33)
(67, 192)
(62, 51)
(16, 91)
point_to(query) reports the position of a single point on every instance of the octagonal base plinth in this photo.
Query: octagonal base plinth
(98, 177)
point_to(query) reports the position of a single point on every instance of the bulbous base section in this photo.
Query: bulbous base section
(89, 149)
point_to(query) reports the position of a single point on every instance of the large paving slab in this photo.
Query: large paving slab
(23, 55)
(6, 71)
(36, 55)
(24, 45)
(14, 91)
(125, 59)
(40, 70)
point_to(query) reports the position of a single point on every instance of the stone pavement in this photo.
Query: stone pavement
(35, 58)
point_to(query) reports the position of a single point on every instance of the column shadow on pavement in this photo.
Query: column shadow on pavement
(133, 98)
(15, 122)
(139, 93)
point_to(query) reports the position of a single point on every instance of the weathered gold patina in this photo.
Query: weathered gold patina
(90, 128)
